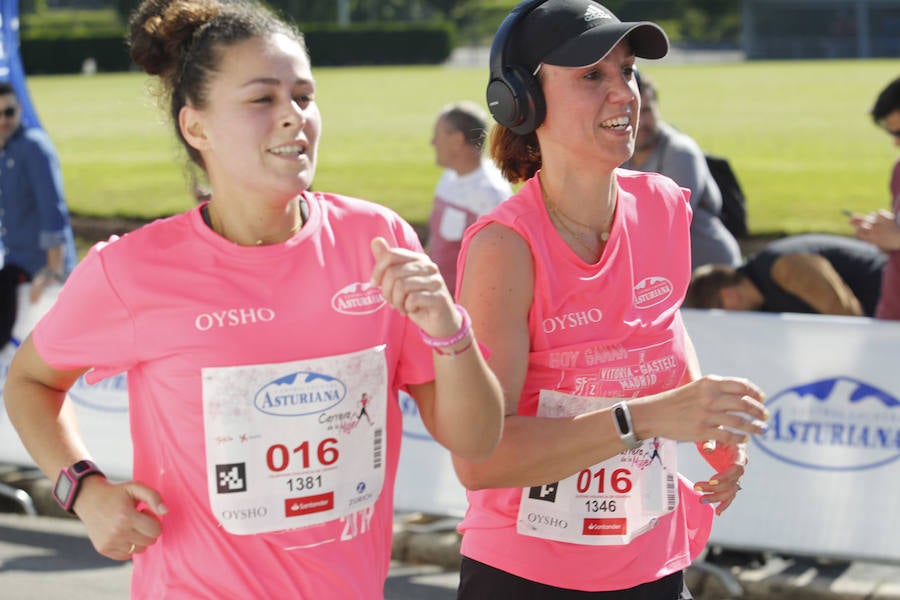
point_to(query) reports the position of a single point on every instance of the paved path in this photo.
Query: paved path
(42, 557)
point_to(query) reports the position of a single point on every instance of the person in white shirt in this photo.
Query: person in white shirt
(470, 186)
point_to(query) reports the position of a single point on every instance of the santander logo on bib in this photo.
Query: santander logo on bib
(651, 291)
(357, 299)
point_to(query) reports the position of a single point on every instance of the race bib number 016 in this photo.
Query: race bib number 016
(295, 444)
(609, 503)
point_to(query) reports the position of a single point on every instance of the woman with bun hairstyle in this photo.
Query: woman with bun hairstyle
(249, 327)
(575, 283)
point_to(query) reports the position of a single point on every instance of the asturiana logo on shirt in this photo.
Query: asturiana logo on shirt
(233, 317)
(357, 299)
(301, 393)
(651, 291)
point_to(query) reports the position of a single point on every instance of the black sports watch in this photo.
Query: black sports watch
(622, 419)
(68, 484)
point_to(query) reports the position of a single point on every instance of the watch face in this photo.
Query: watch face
(63, 488)
(621, 420)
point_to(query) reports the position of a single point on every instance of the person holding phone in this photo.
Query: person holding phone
(882, 227)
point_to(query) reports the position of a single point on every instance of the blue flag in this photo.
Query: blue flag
(11, 69)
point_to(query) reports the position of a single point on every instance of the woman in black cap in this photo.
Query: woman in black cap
(575, 283)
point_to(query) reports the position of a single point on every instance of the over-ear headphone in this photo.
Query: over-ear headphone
(514, 94)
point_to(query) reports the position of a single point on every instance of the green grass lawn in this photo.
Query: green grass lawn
(798, 135)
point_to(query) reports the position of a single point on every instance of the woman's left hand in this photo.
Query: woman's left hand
(412, 284)
(729, 460)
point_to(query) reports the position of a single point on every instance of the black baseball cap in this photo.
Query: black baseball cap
(577, 33)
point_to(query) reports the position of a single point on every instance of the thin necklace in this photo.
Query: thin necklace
(212, 221)
(578, 237)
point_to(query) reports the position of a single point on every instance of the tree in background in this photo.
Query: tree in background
(689, 21)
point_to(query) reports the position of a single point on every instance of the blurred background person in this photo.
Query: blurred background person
(882, 227)
(811, 273)
(661, 148)
(469, 187)
(35, 233)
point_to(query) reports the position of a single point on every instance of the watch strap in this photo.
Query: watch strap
(625, 426)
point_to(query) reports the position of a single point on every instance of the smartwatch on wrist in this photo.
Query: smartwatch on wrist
(622, 419)
(68, 484)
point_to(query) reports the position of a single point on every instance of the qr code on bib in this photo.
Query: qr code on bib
(547, 492)
(231, 478)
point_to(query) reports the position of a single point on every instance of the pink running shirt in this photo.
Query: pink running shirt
(171, 301)
(611, 329)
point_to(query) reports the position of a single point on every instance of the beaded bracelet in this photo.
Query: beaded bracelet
(454, 339)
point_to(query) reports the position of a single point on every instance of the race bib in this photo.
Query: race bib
(295, 444)
(609, 503)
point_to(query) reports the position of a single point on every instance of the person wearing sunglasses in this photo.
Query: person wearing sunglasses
(36, 237)
(882, 227)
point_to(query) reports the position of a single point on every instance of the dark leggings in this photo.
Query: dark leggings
(478, 581)
(11, 277)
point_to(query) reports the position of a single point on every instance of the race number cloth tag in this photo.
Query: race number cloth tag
(295, 444)
(609, 503)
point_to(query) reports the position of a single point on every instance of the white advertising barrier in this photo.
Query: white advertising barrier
(102, 409)
(426, 480)
(825, 479)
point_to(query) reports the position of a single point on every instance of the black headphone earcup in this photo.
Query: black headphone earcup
(516, 100)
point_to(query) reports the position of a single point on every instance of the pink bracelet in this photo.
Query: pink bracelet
(454, 339)
(453, 353)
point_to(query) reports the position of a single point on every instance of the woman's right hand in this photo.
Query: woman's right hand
(724, 409)
(879, 228)
(121, 518)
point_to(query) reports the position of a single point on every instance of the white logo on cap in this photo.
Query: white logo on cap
(595, 12)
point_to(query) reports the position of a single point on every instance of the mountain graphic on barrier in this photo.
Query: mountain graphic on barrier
(836, 424)
(823, 389)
